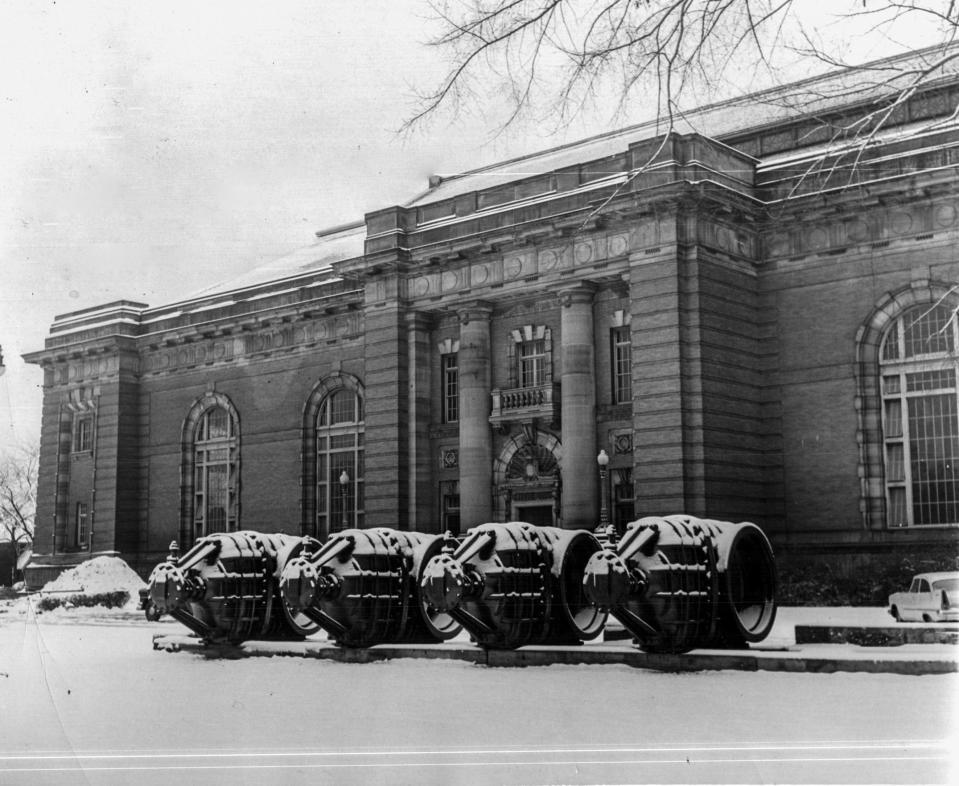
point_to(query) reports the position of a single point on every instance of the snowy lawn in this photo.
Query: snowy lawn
(90, 693)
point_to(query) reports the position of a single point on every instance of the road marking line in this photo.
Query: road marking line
(578, 763)
(913, 745)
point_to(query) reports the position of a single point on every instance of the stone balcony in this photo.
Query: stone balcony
(516, 405)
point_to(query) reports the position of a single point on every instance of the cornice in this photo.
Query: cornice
(113, 344)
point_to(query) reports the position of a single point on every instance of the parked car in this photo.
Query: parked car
(932, 597)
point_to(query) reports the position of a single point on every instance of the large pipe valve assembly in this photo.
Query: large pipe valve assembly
(675, 583)
(512, 584)
(224, 588)
(362, 587)
(678, 582)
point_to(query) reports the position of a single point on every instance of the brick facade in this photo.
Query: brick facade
(753, 295)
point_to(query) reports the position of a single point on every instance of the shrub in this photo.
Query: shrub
(110, 600)
(857, 581)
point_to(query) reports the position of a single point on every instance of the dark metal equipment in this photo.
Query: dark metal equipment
(362, 587)
(225, 588)
(513, 584)
(677, 583)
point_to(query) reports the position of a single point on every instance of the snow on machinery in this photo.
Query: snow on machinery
(225, 588)
(678, 583)
(513, 584)
(362, 587)
(675, 583)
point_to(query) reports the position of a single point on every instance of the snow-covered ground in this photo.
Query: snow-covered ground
(85, 699)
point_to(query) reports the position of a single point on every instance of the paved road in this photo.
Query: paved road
(94, 704)
(842, 762)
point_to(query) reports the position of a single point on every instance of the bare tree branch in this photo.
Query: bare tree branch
(18, 495)
(552, 58)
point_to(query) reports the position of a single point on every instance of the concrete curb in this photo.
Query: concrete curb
(876, 637)
(819, 658)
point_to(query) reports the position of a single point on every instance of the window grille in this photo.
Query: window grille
(450, 505)
(623, 497)
(621, 353)
(82, 433)
(215, 473)
(920, 418)
(532, 363)
(82, 524)
(339, 462)
(449, 374)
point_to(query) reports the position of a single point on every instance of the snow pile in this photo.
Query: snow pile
(92, 580)
(100, 574)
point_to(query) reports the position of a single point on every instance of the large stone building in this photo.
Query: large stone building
(750, 325)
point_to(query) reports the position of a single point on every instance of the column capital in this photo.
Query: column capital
(582, 292)
(477, 310)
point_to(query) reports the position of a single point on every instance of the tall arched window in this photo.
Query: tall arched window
(215, 473)
(920, 417)
(339, 461)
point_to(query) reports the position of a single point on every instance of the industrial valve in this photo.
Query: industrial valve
(225, 588)
(677, 583)
(513, 584)
(362, 588)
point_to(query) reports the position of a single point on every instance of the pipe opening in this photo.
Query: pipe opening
(587, 620)
(751, 584)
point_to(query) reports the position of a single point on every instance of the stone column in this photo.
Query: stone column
(578, 394)
(476, 441)
(422, 496)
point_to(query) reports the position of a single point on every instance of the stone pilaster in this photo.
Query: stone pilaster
(578, 395)
(386, 457)
(476, 443)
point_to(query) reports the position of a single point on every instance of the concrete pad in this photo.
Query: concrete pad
(822, 658)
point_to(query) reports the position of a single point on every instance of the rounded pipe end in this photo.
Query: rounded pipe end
(606, 580)
(168, 587)
(442, 583)
(298, 584)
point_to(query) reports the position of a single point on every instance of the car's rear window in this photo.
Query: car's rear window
(946, 584)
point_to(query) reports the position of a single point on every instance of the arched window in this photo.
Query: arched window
(215, 473)
(339, 461)
(920, 417)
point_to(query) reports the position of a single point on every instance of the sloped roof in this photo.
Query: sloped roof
(333, 245)
(743, 114)
(808, 97)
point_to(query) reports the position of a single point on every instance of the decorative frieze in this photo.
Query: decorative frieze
(272, 339)
(93, 367)
(517, 267)
(794, 239)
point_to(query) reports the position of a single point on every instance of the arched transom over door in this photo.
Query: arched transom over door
(526, 477)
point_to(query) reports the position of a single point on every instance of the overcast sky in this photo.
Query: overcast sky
(150, 149)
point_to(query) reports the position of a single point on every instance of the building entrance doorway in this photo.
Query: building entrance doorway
(539, 515)
(526, 477)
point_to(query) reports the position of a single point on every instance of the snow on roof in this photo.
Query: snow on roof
(332, 245)
(739, 115)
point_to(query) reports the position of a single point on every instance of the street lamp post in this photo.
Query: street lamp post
(344, 482)
(603, 461)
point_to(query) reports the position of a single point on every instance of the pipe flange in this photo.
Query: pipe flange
(443, 583)
(607, 581)
(298, 584)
